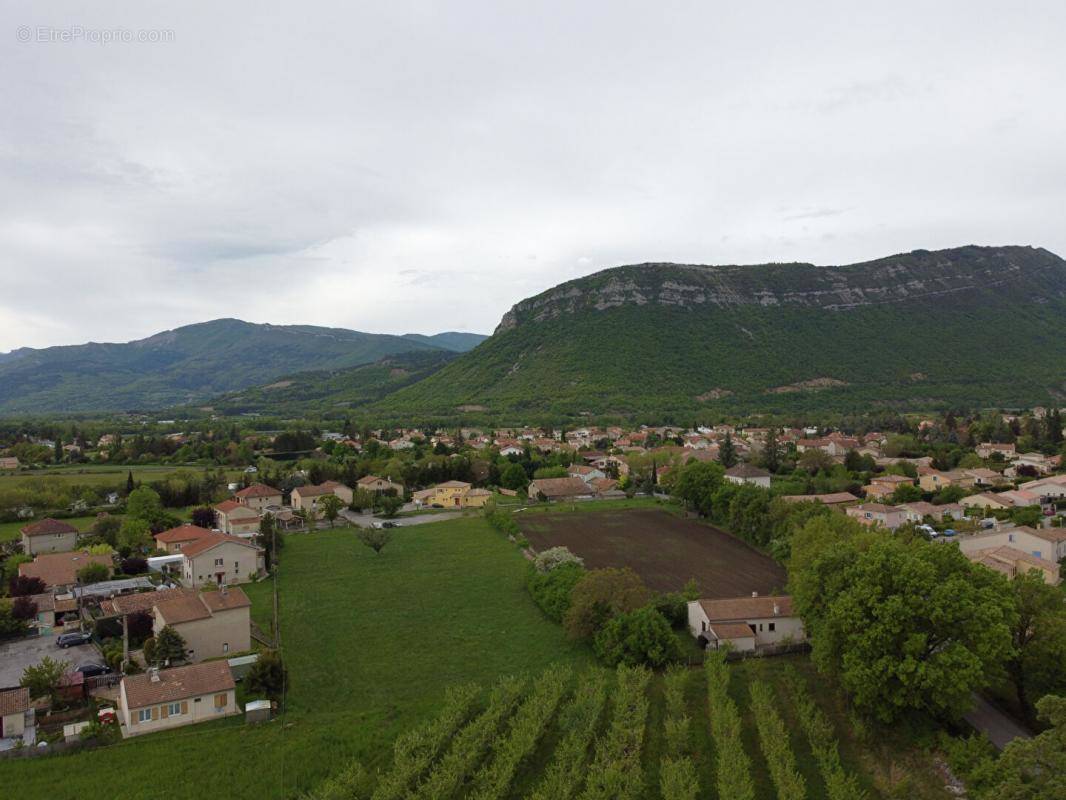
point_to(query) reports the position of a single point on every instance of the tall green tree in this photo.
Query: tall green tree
(1034, 769)
(1038, 663)
(904, 625)
(727, 452)
(331, 506)
(166, 647)
(771, 451)
(43, 678)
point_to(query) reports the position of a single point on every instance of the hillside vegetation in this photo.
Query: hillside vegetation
(972, 326)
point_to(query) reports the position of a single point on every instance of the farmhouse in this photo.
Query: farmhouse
(213, 624)
(48, 536)
(745, 623)
(258, 496)
(220, 559)
(308, 497)
(452, 494)
(173, 540)
(746, 473)
(235, 518)
(9, 462)
(60, 570)
(987, 449)
(162, 699)
(586, 473)
(559, 489)
(987, 501)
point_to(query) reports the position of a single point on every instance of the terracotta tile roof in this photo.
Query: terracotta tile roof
(183, 608)
(182, 533)
(142, 601)
(738, 608)
(179, 683)
(215, 539)
(312, 491)
(453, 485)
(746, 471)
(60, 569)
(233, 598)
(258, 490)
(731, 630)
(559, 487)
(48, 526)
(14, 701)
(227, 506)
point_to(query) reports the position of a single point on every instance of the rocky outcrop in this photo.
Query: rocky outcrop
(917, 277)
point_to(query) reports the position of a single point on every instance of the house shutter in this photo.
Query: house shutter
(166, 711)
(155, 712)
(220, 700)
(184, 706)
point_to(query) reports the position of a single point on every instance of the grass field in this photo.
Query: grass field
(372, 641)
(666, 550)
(101, 474)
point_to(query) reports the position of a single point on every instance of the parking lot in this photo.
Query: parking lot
(16, 656)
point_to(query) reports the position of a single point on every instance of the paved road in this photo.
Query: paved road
(16, 656)
(1001, 729)
(367, 520)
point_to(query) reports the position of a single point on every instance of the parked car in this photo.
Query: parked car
(950, 532)
(92, 670)
(73, 639)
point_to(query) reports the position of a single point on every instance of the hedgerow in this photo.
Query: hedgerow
(819, 730)
(581, 719)
(773, 739)
(527, 727)
(734, 767)
(470, 744)
(616, 774)
(677, 774)
(415, 750)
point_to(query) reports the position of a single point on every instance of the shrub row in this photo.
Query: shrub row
(504, 522)
(733, 767)
(471, 743)
(616, 773)
(415, 750)
(773, 739)
(839, 784)
(677, 775)
(527, 727)
(351, 783)
(581, 719)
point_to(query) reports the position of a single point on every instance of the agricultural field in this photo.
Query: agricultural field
(108, 475)
(376, 643)
(666, 550)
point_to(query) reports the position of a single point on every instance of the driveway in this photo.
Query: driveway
(368, 520)
(16, 656)
(988, 719)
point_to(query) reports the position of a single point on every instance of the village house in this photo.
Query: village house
(1041, 463)
(745, 623)
(48, 536)
(213, 624)
(989, 501)
(1048, 544)
(258, 496)
(17, 720)
(9, 462)
(1013, 562)
(171, 541)
(60, 570)
(746, 473)
(585, 472)
(375, 485)
(988, 449)
(161, 699)
(309, 497)
(919, 510)
(452, 494)
(830, 499)
(551, 489)
(236, 519)
(220, 559)
(1051, 487)
(889, 517)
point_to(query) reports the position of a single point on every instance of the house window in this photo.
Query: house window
(144, 715)
(225, 647)
(772, 627)
(218, 562)
(173, 709)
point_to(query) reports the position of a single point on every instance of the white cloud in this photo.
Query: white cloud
(420, 167)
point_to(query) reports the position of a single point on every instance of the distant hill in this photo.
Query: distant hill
(972, 326)
(324, 391)
(185, 365)
(455, 341)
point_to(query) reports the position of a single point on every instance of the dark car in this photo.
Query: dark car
(73, 639)
(92, 670)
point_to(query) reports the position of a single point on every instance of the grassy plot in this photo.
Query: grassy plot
(371, 643)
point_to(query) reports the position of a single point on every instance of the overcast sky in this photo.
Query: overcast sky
(415, 166)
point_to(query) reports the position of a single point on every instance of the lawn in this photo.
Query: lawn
(372, 641)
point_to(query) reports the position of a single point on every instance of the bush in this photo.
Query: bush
(134, 566)
(733, 765)
(600, 595)
(674, 607)
(267, 676)
(639, 637)
(555, 557)
(551, 590)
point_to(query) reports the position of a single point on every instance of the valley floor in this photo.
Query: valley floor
(372, 642)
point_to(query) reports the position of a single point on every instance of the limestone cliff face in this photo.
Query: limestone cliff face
(953, 277)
